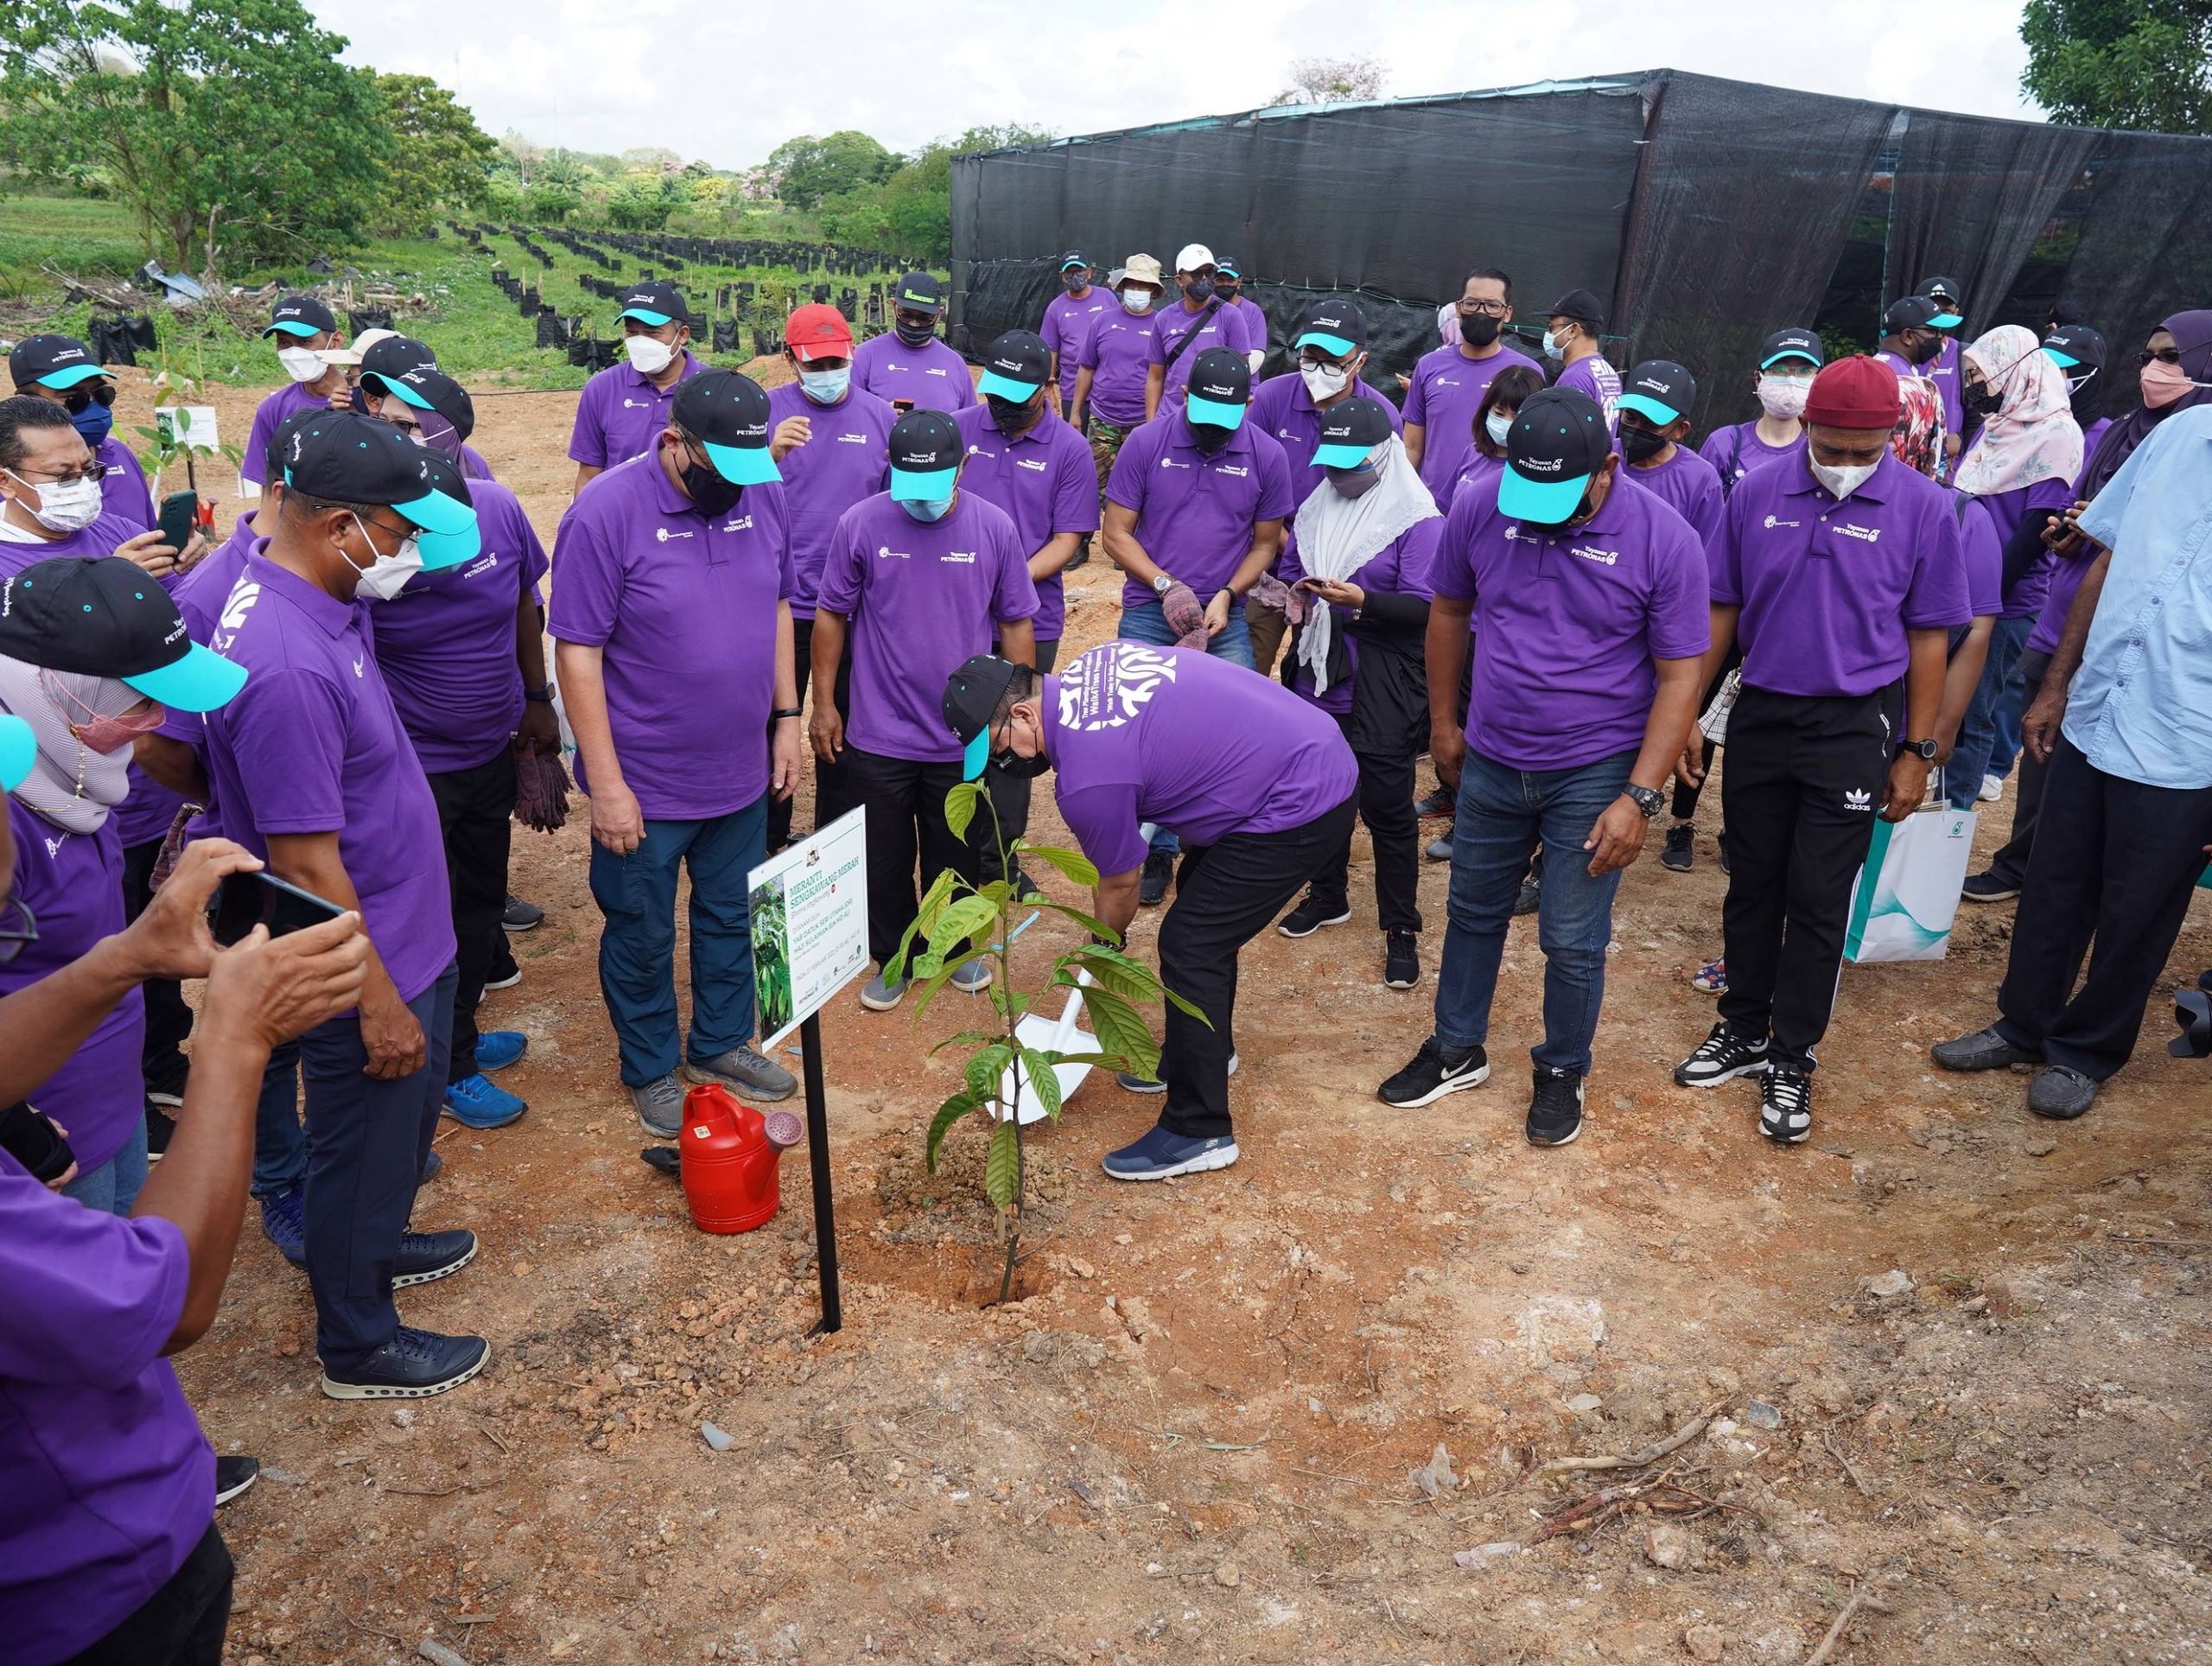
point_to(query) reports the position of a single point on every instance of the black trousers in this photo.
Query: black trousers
(833, 793)
(181, 1624)
(2011, 862)
(1386, 805)
(169, 1020)
(1806, 779)
(905, 818)
(476, 811)
(1010, 793)
(2115, 863)
(1685, 797)
(1225, 895)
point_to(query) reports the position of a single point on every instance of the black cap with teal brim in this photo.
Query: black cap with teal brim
(345, 457)
(1659, 391)
(655, 304)
(926, 453)
(427, 388)
(53, 361)
(1557, 441)
(972, 695)
(18, 752)
(1221, 389)
(1945, 292)
(1350, 433)
(1792, 344)
(104, 618)
(728, 414)
(301, 316)
(1336, 326)
(1018, 364)
(2074, 346)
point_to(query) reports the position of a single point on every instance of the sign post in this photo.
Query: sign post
(810, 939)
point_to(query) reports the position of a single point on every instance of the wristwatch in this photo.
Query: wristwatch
(1161, 584)
(543, 697)
(1649, 799)
(1924, 750)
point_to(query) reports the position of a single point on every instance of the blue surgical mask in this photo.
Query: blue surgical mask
(927, 511)
(825, 387)
(1497, 425)
(93, 422)
(1553, 347)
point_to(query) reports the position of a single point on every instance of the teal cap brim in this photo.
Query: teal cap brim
(1341, 456)
(744, 465)
(1547, 503)
(1649, 408)
(1335, 345)
(973, 757)
(401, 391)
(1213, 413)
(655, 319)
(2064, 360)
(1004, 387)
(1791, 353)
(440, 550)
(292, 327)
(18, 752)
(201, 681)
(918, 485)
(71, 376)
(1947, 321)
(434, 511)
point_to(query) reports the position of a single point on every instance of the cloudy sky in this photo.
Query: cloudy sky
(726, 84)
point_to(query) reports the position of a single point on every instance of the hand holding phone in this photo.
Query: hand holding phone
(247, 899)
(180, 517)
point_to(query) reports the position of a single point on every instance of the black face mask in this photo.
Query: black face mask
(1010, 764)
(1211, 438)
(1928, 349)
(1478, 329)
(913, 336)
(710, 495)
(1641, 444)
(1198, 290)
(1012, 418)
(1075, 280)
(1984, 402)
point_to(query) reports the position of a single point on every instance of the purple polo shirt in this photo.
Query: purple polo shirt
(1221, 329)
(1570, 622)
(619, 411)
(931, 376)
(268, 417)
(1594, 376)
(1690, 486)
(1198, 745)
(921, 599)
(1255, 319)
(473, 464)
(123, 492)
(1828, 589)
(1475, 469)
(311, 745)
(1047, 484)
(848, 459)
(1944, 372)
(1983, 552)
(1067, 326)
(1442, 396)
(145, 813)
(1401, 568)
(1735, 452)
(684, 609)
(446, 641)
(1117, 352)
(73, 885)
(103, 537)
(2066, 573)
(2006, 510)
(1284, 409)
(106, 1483)
(1196, 513)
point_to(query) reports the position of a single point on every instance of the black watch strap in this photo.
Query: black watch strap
(1649, 799)
(1924, 750)
(782, 712)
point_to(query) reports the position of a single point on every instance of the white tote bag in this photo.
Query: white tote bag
(1907, 895)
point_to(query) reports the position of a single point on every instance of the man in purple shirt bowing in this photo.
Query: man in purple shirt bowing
(1259, 783)
(625, 406)
(315, 775)
(672, 622)
(1588, 597)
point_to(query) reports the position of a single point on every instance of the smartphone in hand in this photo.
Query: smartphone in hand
(179, 516)
(246, 900)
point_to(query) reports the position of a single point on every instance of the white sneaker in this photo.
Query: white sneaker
(1992, 789)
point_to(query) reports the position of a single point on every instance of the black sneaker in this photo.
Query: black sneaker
(1681, 853)
(1436, 1070)
(426, 1257)
(233, 1476)
(1721, 1057)
(165, 1083)
(1531, 897)
(1439, 802)
(1723, 842)
(520, 916)
(413, 1365)
(1556, 1111)
(1401, 959)
(159, 1126)
(1311, 915)
(1152, 886)
(1987, 887)
(1786, 1105)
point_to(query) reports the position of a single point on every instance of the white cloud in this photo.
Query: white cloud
(728, 84)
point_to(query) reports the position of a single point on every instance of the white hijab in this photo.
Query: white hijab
(71, 785)
(1338, 536)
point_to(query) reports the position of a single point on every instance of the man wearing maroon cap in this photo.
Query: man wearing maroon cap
(1842, 574)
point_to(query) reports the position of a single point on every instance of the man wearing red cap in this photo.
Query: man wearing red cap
(1842, 575)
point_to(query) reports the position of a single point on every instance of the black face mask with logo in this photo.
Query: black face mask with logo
(710, 495)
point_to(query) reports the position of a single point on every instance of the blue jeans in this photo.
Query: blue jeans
(1147, 622)
(1502, 816)
(1982, 748)
(113, 1187)
(636, 945)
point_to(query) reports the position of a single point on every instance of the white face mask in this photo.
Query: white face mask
(1782, 397)
(825, 387)
(1324, 381)
(1136, 301)
(64, 508)
(384, 577)
(301, 364)
(1497, 425)
(1842, 482)
(1555, 347)
(649, 355)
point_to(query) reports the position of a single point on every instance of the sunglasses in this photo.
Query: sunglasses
(18, 926)
(78, 398)
(2164, 355)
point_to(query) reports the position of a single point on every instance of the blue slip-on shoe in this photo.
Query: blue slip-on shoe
(1161, 1155)
(284, 1223)
(497, 1049)
(475, 1102)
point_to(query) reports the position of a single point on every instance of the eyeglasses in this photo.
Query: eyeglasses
(1485, 308)
(18, 926)
(2164, 355)
(94, 471)
(80, 398)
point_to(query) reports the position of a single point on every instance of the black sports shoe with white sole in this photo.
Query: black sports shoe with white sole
(233, 1476)
(1786, 1105)
(1555, 1110)
(1721, 1057)
(1436, 1070)
(1400, 960)
(426, 1257)
(413, 1365)
(1310, 916)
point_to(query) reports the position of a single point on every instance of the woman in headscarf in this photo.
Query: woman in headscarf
(1366, 538)
(2019, 465)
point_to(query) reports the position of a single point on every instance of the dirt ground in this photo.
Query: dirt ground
(1955, 1359)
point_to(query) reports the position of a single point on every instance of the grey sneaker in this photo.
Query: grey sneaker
(660, 1106)
(880, 996)
(742, 1068)
(975, 977)
(2061, 1093)
(1439, 849)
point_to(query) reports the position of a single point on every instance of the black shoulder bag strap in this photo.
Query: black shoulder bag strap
(1200, 323)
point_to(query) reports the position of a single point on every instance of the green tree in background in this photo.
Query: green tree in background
(440, 157)
(912, 211)
(810, 170)
(2121, 63)
(226, 127)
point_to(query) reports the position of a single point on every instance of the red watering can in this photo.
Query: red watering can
(729, 1158)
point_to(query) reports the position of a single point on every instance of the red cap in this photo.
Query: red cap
(1854, 392)
(819, 331)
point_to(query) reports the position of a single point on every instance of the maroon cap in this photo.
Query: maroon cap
(1854, 392)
